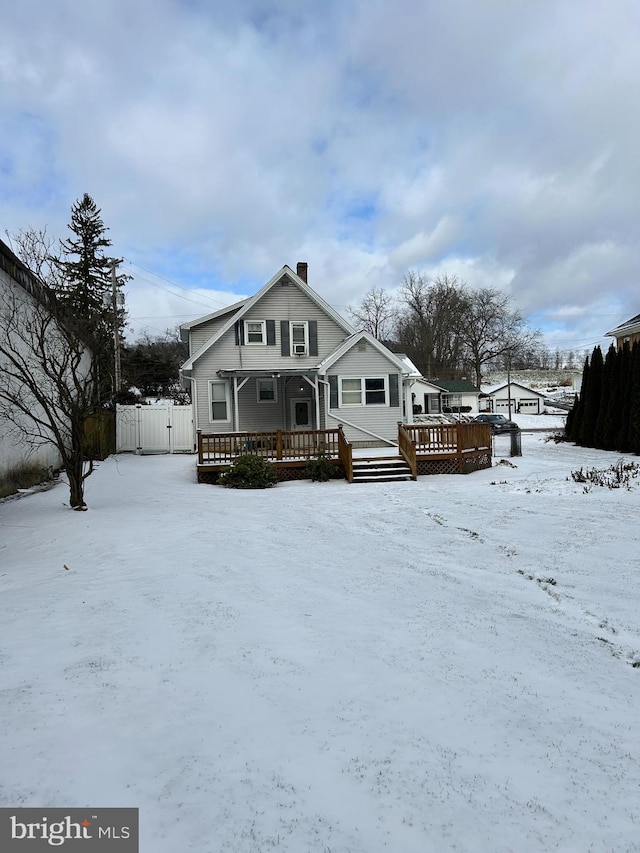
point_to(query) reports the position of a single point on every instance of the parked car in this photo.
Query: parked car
(498, 423)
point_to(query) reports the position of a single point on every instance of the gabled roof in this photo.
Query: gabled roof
(457, 386)
(247, 305)
(628, 327)
(488, 392)
(185, 328)
(414, 373)
(350, 342)
(430, 382)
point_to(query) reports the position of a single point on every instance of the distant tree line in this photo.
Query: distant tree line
(152, 364)
(448, 329)
(606, 414)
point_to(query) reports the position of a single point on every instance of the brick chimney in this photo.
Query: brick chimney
(301, 270)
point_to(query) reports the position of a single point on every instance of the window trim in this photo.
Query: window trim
(263, 333)
(363, 392)
(305, 326)
(274, 383)
(227, 400)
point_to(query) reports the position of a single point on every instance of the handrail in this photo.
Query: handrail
(346, 456)
(362, 429)
(407, 448)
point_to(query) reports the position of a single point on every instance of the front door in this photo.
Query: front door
(301, 413)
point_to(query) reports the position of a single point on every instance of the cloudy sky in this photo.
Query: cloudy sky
(222, 139)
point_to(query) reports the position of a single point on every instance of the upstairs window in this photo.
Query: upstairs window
(299, 338)
(255, 331)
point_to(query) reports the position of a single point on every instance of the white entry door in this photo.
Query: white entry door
(301, 413)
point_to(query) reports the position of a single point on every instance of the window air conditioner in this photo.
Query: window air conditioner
(299, 349)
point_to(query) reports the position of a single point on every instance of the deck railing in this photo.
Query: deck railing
(346, 456)
(448, 439)
(407, 448)
(277, 445)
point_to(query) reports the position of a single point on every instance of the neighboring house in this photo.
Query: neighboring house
(440, 395)
(627, 333)
(285, 360)
(458, 395)
(524, 400)
(19, 286)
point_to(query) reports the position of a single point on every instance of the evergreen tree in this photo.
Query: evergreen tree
(592, 394)
(602, 437)
(634, 411)
(624, 410)
(614, 404)
(85, 288)
(578, 408)
(568, 424)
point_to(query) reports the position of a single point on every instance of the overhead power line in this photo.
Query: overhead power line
(211, 300)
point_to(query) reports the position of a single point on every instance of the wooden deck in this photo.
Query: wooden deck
(426, 448)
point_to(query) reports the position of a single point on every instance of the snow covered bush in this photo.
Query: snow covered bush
(249, 472)
(322, 469)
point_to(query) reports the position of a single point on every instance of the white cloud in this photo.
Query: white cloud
(495, 141)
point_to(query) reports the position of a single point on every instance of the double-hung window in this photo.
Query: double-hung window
(452, 401)
(267, 390)
(255, 331)
(363, 391)
(219, 401)
(299, 338)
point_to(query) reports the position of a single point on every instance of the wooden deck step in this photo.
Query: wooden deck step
(380, 469)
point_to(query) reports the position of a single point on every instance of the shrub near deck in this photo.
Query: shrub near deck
(249, 472)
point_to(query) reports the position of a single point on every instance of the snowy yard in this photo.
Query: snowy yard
(444, 665)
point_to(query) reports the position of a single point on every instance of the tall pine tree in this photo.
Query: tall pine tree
(591, 394)
(85, 287)
(624, 402)
(602, 437)
(575, 421)
(634, 413)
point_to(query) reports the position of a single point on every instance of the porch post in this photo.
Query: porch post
(236, 413)
(316, 387)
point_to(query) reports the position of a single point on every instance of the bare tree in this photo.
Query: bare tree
(428, 324)
(47, 376)
(376, 314)
(491, 327)
(38, 251)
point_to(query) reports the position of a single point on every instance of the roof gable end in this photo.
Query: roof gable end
(245, 307)
(352, 341)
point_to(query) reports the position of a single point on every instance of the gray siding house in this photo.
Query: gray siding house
(285, 360)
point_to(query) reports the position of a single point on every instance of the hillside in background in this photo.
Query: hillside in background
(539, 379)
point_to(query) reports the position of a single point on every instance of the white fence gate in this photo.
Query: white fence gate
(154, 429)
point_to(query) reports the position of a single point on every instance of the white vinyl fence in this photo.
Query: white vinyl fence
(154, 429)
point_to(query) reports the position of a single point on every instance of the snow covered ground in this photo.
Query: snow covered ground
(445, 665)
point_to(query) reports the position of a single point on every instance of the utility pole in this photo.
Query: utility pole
(509, 381)
(116, 332)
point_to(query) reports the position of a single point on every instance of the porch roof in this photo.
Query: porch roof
(270, 374)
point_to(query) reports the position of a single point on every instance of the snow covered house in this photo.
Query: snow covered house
(524, 400)
(284, 359)
(283, 376)
(436, 396)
